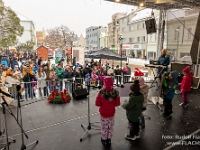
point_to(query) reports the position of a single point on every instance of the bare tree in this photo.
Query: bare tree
(59, 37)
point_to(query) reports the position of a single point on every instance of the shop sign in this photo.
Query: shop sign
(136, 46)
(126, 46)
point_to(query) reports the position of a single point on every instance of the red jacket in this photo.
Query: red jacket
(186, 83)
(107, 107)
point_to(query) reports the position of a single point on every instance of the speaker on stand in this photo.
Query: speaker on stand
(150, 26)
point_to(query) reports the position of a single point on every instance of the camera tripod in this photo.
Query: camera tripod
(89, 126)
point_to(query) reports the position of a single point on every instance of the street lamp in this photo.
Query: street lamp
(121, 43)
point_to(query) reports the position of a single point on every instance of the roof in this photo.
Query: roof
(161, 4)
(141, 15)
(42, 46)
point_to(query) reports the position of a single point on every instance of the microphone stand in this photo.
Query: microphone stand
(23, 146)
(5, 145)
(89, 126)
(5, 123)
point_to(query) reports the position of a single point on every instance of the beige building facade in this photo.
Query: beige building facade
(114, 31)
(41, 37)
(81, 42)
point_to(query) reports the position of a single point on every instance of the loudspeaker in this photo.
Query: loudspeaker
(150, 26)
(79, 93)
(195, 51)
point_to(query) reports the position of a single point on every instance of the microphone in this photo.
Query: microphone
(4, 93)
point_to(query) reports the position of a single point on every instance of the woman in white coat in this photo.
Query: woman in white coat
(144, 89)
(41, 81)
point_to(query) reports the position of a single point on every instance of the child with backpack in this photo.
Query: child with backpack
(168, 90)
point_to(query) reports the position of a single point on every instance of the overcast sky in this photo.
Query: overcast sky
(76, 14)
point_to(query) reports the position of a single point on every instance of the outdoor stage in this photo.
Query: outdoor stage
(58, 127)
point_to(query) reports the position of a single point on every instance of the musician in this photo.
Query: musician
(163, 60)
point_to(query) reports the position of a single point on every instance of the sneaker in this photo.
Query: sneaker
(129, 137)
(137, 136)
(181, 104)
(185, 105)
(142, 127)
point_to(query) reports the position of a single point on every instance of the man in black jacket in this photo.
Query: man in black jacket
(87, 74)
(39, 61)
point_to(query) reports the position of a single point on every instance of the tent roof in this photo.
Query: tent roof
(161, 4)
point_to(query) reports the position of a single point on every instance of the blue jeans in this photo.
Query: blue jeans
(28, 92)
(68, 86)
(61, 85)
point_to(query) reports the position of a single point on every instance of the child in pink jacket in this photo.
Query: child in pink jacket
(107, 99)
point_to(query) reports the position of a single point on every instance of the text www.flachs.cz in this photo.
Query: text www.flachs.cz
(184, 143)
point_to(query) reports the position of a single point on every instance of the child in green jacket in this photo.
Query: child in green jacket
(134, 110)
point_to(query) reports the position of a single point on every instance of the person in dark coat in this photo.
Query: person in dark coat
(117, 73)
(14, 62)
(163, 60)
(87, 75)
(39, 61)
(74, 61)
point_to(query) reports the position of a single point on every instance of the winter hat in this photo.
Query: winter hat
(174, 74)
(137, 69)
(108, 84)
(186, 69)
(141, 81)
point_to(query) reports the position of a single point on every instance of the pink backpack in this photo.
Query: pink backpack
(125, 69)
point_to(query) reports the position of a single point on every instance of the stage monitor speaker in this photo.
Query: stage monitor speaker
(150, 26)
(79, 93)
(179, 66)
(195, 82)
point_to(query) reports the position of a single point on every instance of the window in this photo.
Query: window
(124, 20)
(189, 33)
(131, 28)
(151, 38)
(155, 37)
(130, 40)
(143, 39)
(138, 39)
(138, 26)
(143, 26)
(123, 29)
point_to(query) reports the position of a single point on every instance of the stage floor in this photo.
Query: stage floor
(58, 127)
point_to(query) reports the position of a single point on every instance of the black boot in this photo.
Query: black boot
(104, 142)
(109, 142)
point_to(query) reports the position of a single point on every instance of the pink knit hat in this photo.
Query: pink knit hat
(108, 84)
(141, 81)
(186, 69)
